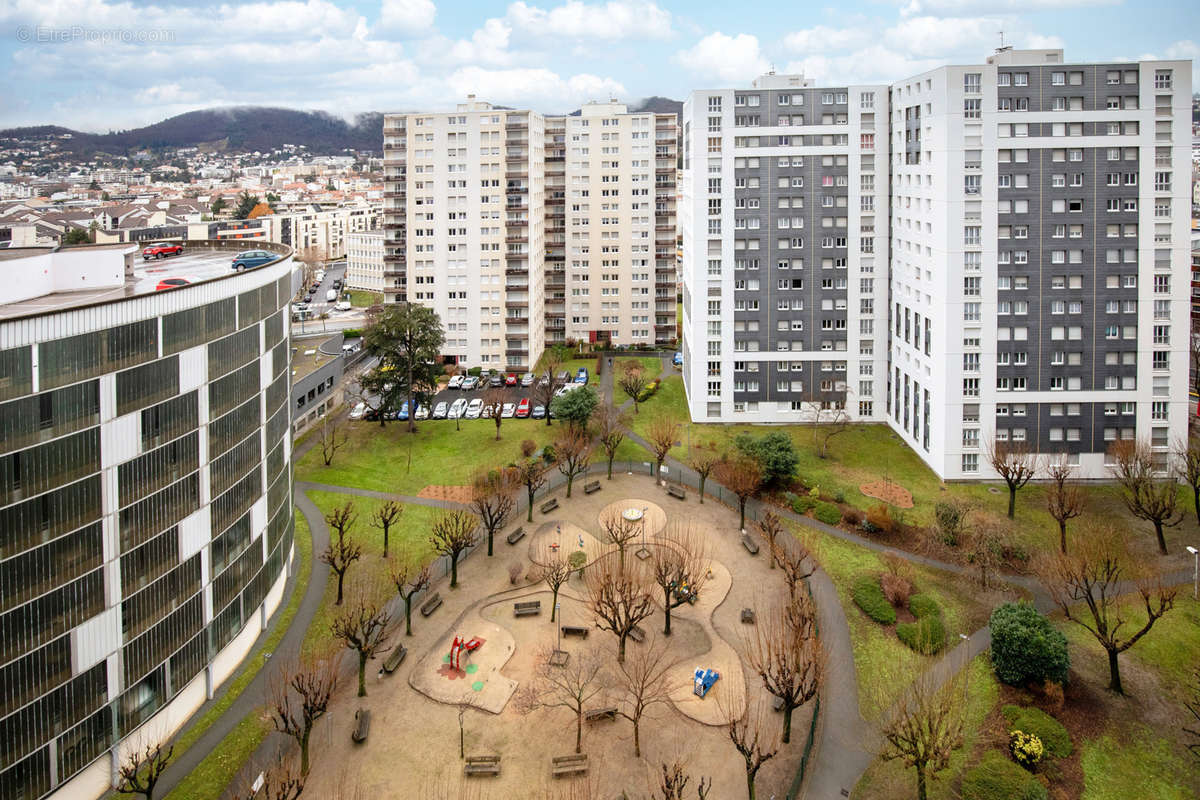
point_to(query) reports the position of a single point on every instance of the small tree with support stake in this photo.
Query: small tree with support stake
(343, 551)
(452, 535)
(141, 770)
(384, 517)
(408, 580)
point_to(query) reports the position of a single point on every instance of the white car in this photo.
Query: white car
(439, 411)
(564, 389)
(487, 411)
(455, 382)
(474, 409)
(527, 379)
(457, 408)
(343, 306)
(358, 411)
(509, 410)
(422, 413)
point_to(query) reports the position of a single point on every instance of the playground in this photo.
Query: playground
(469, 659)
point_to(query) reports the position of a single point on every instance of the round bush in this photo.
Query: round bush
(828, 513)
(802, 504)
(1026, 748)
(869, 597)
(1026, 647)
(1055, 739)
(995, 777)
(927, 635)
(922, 605)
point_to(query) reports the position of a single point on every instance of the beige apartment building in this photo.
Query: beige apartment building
(522, 230)
(364, 261)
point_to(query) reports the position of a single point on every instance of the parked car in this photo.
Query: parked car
(470, 383)
(496, 380)
(343, 306)
(581, 376)
(422, 412)
(249, 259)
(508, 410)
(403, 412)
(440, 411)
(564, 376)
(358, 411)
(523, 408)
(678, 359)
(488, 411)
(456, 382)
(539, 412)
(510, 379)
(331, 296)
(172, 283)
(457, 408)
(161, 250)
(474, 409)
(527, 380)
(566, 387)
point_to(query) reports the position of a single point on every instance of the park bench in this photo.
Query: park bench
(530, 609)
(750, 544)
(362, 725)
(515, 536)
(394, 658)
(549, 505)
(569, 765)
(575, 630)
(597, 714)
(431, 605)
(594, 486)
(677, 491)
(637, 634)
(482, 765)
(748, 616)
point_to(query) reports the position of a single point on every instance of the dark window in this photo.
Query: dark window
(149, 383)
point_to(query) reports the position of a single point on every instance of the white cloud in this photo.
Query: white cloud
(950, 8)
(537, 88)
(488, 45)
(411, 16)
(933, 36)
(822, 39)
(732, 59)
(616, 19)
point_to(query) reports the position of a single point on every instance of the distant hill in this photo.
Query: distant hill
(659, 105)
(238, 129)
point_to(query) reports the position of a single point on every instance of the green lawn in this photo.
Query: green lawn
(361, 299)
(1134, 761)
(668, 402)
(652, 366)
(378, 458)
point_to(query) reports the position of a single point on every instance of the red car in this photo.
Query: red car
(510, 379)
(523, 408)
(172, 283)
(161, 250)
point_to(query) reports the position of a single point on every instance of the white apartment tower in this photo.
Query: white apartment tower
(522, 230)
(1039, 258)
(784, 214)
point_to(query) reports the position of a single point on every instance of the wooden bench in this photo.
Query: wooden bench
(362, 725)
(597, 714)
(394, 658)
(530, 609)
(750, 544)
(569, 765)
(594, 486)
(431, 605)
(549, 505)
(575, 630)
(676, 491)
(482, 765)
(637, 634)
(515, 536)
(748, 616)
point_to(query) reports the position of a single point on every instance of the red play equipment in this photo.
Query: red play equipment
(461, 646)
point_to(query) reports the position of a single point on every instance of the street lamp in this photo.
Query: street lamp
(966, 671)
(1195, 572)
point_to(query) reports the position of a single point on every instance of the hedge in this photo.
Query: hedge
(828, 513)
(996, 777)
(870, 598)
(1033, 720)
(927, 635)
(922, 605)
(803, 503)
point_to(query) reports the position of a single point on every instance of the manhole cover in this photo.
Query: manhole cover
(993, 490)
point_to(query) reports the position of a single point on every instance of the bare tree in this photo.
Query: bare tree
(552, 567)
(924, 727)
(141, 770)
(770, 527)
(333, 437)
(362, 627)
(384, 517)
(785, 651)
(674, 780)
(493, 498)
(493, 405)
(620, 598)
(610, 431)
(1087, 586)
(678, 566)
(408, 578)
(620, 531)
(795, 559)
(531, 472)
(752, 741)
(281, 781)
(572, 453)
(1193, 707)
(1015, 463)
(642, 682)
(985, 545)
(343, 551)
(703, 459)
(572, 686)
(826, 424)
(299, 695)
(1187, 453)
(741, 475)
(453, 533)
(633, 382)
(662, 434)
(548, 367)
(1064, 497)
(1150, 492)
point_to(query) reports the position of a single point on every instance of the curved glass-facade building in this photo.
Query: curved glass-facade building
(145, 499)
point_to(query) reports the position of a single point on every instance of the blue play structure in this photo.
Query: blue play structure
(704, 680)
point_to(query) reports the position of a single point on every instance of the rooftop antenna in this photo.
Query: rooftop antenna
(1001, 40)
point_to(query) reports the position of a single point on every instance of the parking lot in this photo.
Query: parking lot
(512, 394)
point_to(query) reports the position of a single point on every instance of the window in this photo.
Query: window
(970, 462)
(972, 82)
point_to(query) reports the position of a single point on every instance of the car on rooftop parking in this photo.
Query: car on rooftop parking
(161, 250)
(249, 259)
(172, 283)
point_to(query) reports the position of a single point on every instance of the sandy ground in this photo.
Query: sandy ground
(413, 749)
(455, 494)
(888, 492)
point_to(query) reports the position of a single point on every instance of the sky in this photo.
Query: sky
(101, 65)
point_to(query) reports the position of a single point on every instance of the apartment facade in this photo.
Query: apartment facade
(783, 217)
(1039, 255)
(522, 230)
(364, 261)
(145, 503)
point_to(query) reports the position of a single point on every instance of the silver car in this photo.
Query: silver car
(474, 408)
(439, 411)
(509, 410)
(457, 408)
